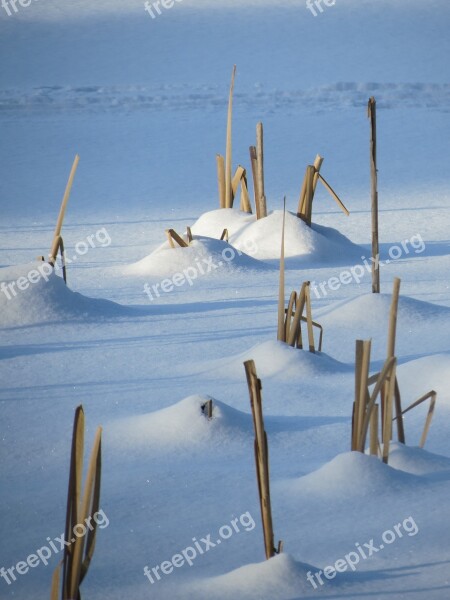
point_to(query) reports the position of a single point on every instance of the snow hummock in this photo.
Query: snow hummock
(204, 255)
(278, 359)
(281, 577)
(183, 427)
(316, 244)
(352, 474)
(49, 299)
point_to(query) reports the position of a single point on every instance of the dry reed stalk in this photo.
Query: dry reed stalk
(432, 397)
(245, 205)
(334, 195)
(281, 334)
(221, 179)
(172, 236)
(228, 153)
(254, 164)
(260, 170)
(374, 443)
(261, 458)
(372, 115)
(80, 509)
(62, 211)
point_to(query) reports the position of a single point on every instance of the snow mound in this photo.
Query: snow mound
(367, 316)
(45, 298)
(419, 376)
(183, 426)
(368, 309)
(262, 238)
(204, 257)
(416, 460)
(316, 244)
(353, 474)
(277, 359)
(281, 577)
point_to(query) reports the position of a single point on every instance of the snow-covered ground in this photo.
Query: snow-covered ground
(143, 101)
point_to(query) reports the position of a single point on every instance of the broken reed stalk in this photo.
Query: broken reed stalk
(207, 409)
(56, 243)
(289, 313)
(432, 397)
(374, 443)
(309, 185)
(294, 336)
(372, 115)
(254, 164)
(281, 333)
(240, 172)
(260, 170)
(362, 365)
(381, 377)
(355, 415)
(388, 402)
(221, 179)
(228, 153)
(172, 236)
(309, 319)
(294, 317)
(245, 205)
(334, 195)
(81, 509)
(392, 332)
(318, 161)
(309, 193)
(261, 458)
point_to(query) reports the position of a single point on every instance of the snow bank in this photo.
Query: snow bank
(46, 298)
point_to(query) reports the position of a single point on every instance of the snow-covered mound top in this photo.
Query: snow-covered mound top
(367, 316)
(32, 293)
(417, 460)
(281, 577)
(262, 238)
(277, 359)
(183, 426)
(368, 309)
(352, 474)
(204, 256)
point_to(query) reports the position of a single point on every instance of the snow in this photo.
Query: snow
(143, 101)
